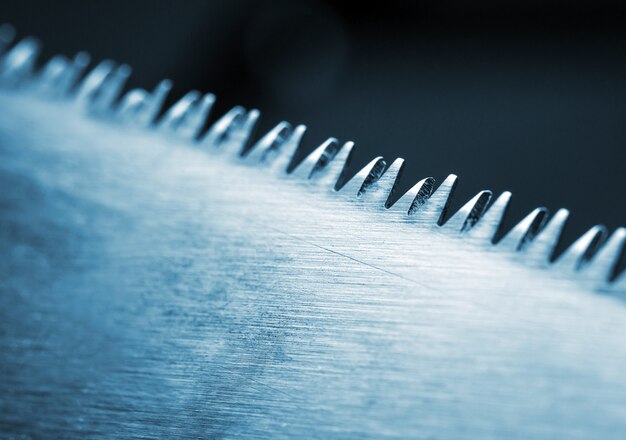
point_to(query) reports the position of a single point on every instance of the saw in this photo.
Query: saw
(164, 274)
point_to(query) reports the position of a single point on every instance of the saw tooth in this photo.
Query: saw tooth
(600, 268)
(490, 222)
(152, 104)
(282, 157)
(221, 129)
(110, 90)
(90, 86)
(581, 250)
(196, 117)
(374, 184)
(381, 188)
(414, 198)
(131, 104)
(332, 174)
(524, 231)
(316, 160)
(232, 132)
(466, 217)
(272, 140)
(187, 117)
(70, 78)
(434, 209)
(141, 107)
(368, 174)
(7, 33)
(18, 63)
(241, 138)
(540, 250)
(59, 75)
(101, 87)
(51, 75)
(176, 114)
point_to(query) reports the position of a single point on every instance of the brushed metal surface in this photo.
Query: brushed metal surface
(153, 287)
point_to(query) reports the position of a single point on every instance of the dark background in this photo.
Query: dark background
(522, 96)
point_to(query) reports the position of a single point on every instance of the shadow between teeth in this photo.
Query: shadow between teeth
(591, 259)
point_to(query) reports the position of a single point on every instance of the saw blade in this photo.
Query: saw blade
(162, 277)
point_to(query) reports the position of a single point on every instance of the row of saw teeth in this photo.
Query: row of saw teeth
(592, 259)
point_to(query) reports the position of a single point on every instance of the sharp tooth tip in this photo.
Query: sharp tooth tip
(480, 195)
(330, 163)
(330, 141)
(620, 231)
(298, 132)
(558, 218)
(434, 208)
(125, 69)
(446, 187)
(105, 64)
(469, 214)
(598, 264)
(376, 163)
(540, 248)
(355, 186)
(504, 198)
(397, 163)
(29, 40)
(345, 150)
(490, 222)
(82, 57)
(595, 251)
(449, 183)
(524, 231)
(539, 215)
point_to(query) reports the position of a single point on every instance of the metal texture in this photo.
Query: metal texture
(162, 280)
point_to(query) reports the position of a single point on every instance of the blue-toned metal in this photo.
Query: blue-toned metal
(159, 280)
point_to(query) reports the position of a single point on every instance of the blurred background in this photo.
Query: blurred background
(522, 96)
